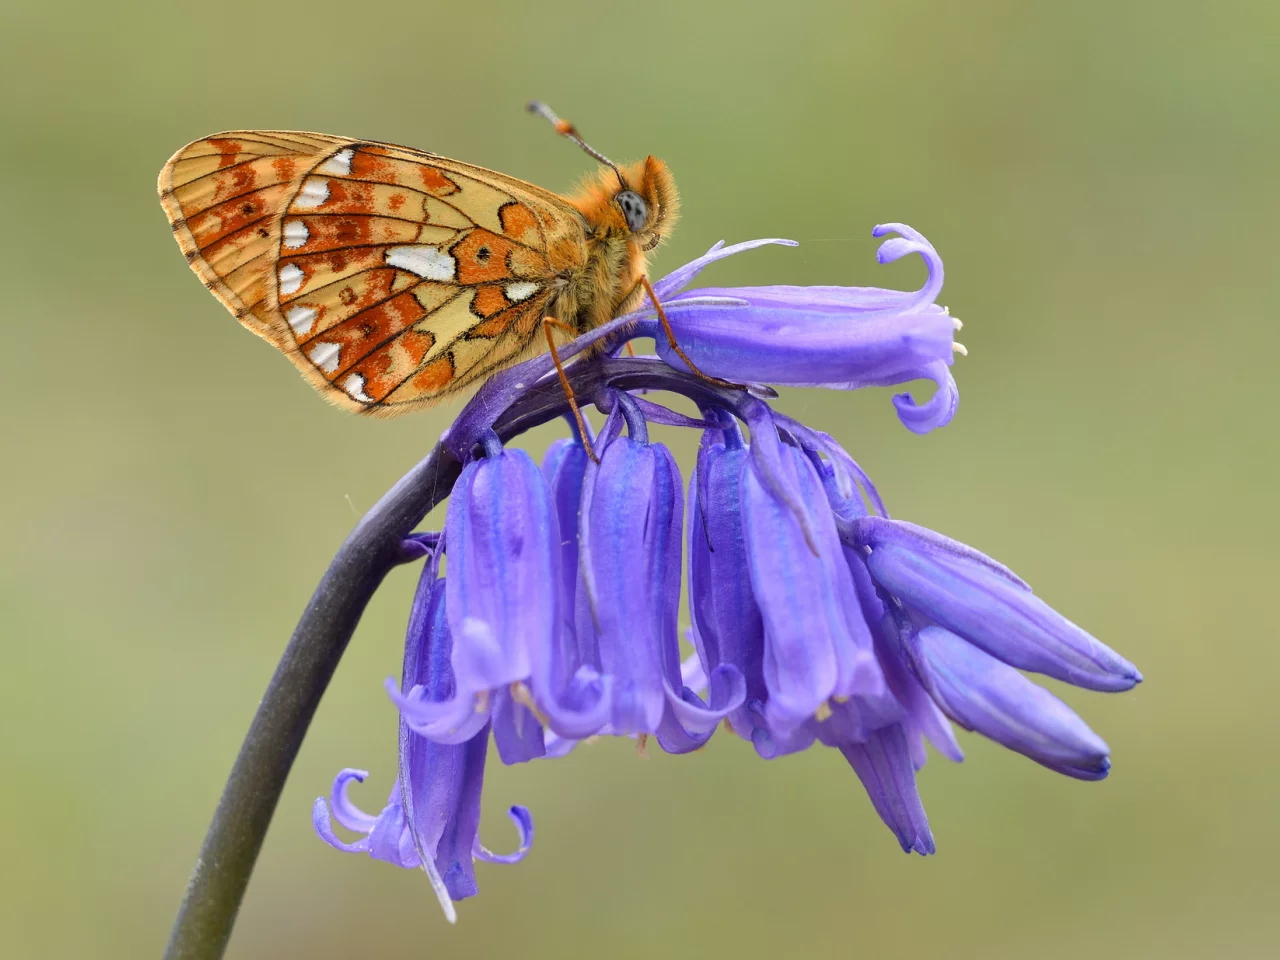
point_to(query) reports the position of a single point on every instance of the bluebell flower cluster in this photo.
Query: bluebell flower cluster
(814, 617)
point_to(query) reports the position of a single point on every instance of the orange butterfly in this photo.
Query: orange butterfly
(392, 277)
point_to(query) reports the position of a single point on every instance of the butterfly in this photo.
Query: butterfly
(394, 278)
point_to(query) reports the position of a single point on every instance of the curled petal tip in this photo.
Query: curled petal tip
(523, 820)
(895, 249)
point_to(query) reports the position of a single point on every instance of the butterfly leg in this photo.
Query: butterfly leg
(671, 339)
(547, 324)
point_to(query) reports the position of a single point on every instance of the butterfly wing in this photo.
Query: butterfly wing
(390, 277)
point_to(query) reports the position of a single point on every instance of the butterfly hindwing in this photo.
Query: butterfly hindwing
(390, 277)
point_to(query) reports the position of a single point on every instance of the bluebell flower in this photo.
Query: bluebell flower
(816, 620)
(432, 818)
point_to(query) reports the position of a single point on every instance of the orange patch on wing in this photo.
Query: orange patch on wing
(330, 232)
(231, 216)
(519, 223)
(385, 166)
(362, 334)
(348, 197)
(221, 186)
(481, 257)
(495, 326)
(488, 301)
(393, 363)
(324, 268)
(285, 167)
(435, 182)
(367, 165)
(340, 301)
(227, 148)
(238, 248)
(434, 376)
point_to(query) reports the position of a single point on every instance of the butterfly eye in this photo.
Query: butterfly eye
(634, 209)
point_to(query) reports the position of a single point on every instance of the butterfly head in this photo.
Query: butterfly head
(638, 202)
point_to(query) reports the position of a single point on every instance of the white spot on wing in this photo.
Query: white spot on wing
(325, 356)
(339, 163)
(302, 319)
(313, 193)
(291, 278)
(521, 290)
(430, 263)
(295, 234)
(354, 385)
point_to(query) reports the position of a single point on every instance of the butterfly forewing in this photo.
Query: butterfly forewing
(390, 277)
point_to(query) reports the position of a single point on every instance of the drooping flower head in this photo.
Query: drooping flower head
(816, 619)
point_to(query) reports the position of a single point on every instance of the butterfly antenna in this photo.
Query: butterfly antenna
(570, 132)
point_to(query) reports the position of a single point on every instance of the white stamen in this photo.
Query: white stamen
(960, 349)
(430, 263)
(291, 278)
(295, 234)
(302, 319)
(957, 323)
(313, 193)
(354, 385)
(521, 290)
(339, 163)
(325, 356)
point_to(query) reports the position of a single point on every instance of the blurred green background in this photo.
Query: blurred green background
(1101, 180)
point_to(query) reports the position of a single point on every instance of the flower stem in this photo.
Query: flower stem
(249, 799)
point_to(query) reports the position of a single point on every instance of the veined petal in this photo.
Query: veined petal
(838, 337)
(923, 718)
(782, 338)
(565, 467)
(688, 722)
(981, 693)
(816, 642)
(727, 627)
(457, 834)
(431, 706)
(449, 721)
(977, 598)
(568, 688)
(630, 539)
(503, 547)
(884, 766)
(517, 732)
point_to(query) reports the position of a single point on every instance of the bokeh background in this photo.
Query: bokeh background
(1101, 180)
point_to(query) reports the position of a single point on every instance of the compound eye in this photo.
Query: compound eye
(634, 209)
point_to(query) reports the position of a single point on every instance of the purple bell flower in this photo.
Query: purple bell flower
(432, 817)
(970, 594)
(835, 337)
(816, 619)
(630, 541)
(981, 693)
(727, 627)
